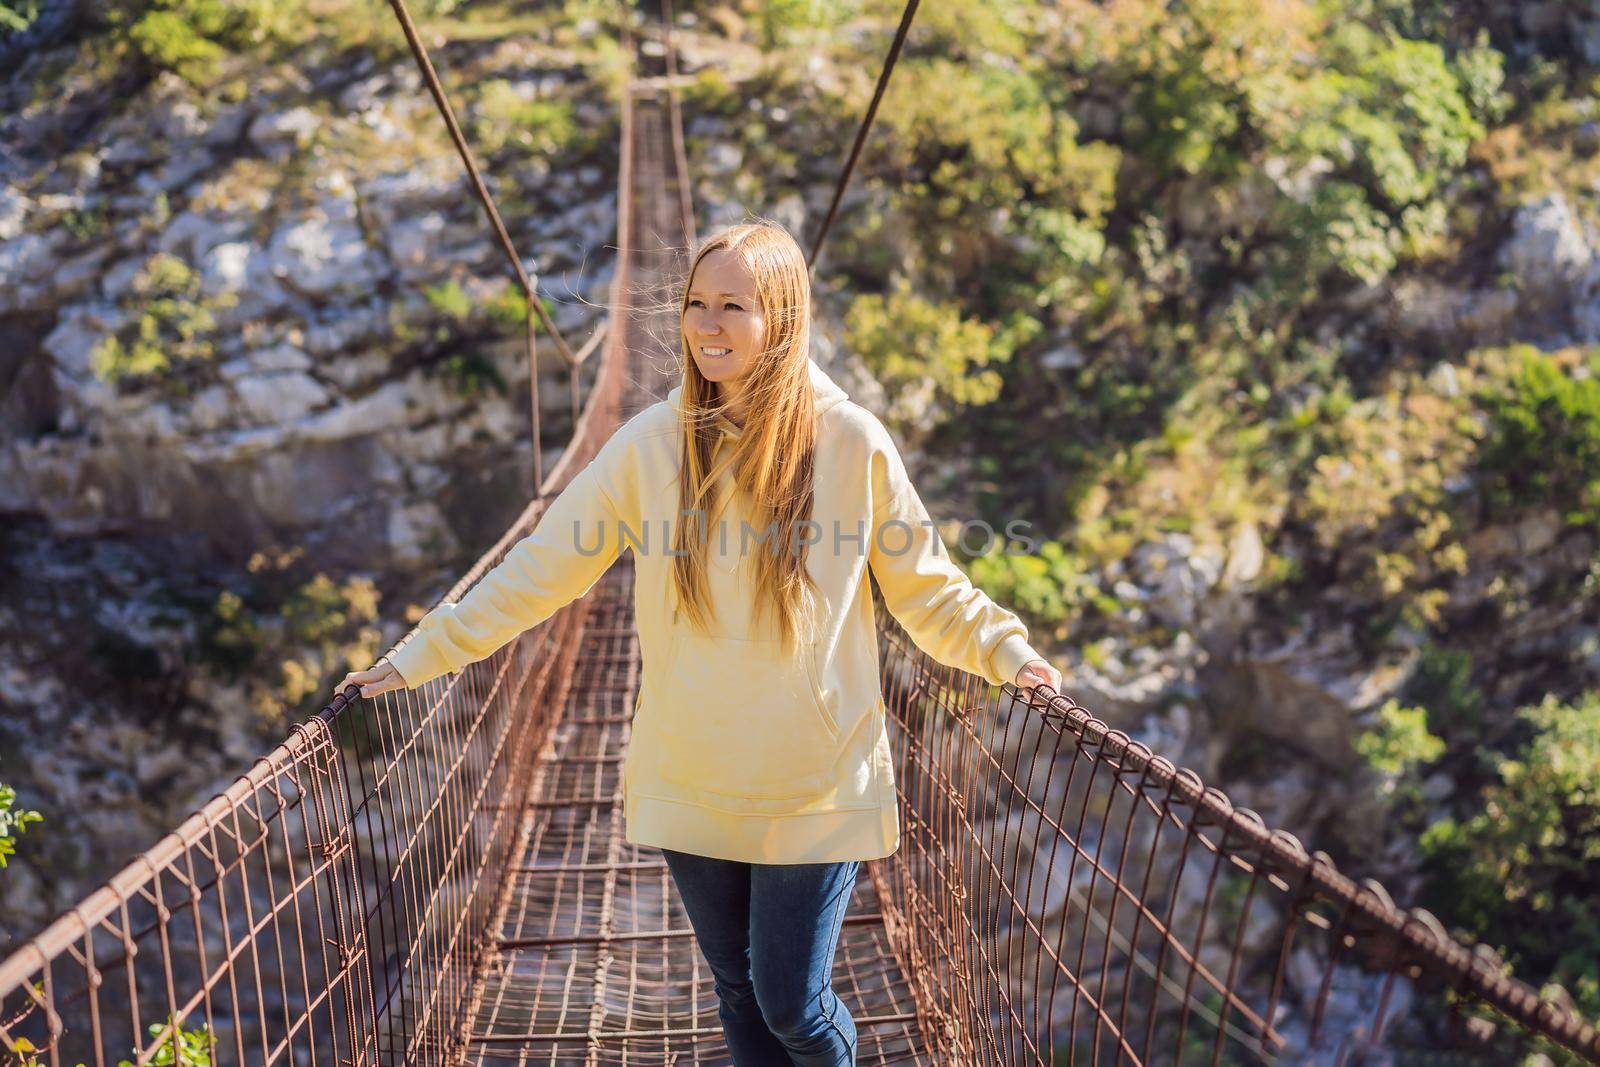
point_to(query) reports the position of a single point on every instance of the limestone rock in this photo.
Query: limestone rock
(383, 409)
(350, 330)
(721, 158)
(211, 409)
(24, 262)
(279, 134)
(191, 235)
(320, 257)
(223, 269)
(279, 357)
(74, 338)
(117, 282)
(1528, 536)
(1179, 574)
(419, 534)
(1062, 357)
(227, 127)
(176, 170)
(75, 277)
(279, 398)
(1246, 556)
(411, 242)
(14, 209)
(1547, 250)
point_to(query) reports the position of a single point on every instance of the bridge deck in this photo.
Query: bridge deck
(594, 960)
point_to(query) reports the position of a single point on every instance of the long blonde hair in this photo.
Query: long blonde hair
(772, 460)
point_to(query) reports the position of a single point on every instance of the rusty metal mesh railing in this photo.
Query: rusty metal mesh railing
(439, 876)
(1062, 894)
(331, 906)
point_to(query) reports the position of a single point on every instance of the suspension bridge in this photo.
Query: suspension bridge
(440, 876)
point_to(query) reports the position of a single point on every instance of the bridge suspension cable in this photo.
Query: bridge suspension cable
(535, 308)
(865, 127)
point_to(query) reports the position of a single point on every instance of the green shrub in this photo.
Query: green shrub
(610, 66)
(87, 223)
(508, 309)
(173, 324)
(18, 15)
(168, 39)
(1375, 473)
(1400, 742)
(449, 299)
(286, 633)
(1482, 73)
(1348, 233)
(504, 310)
(1051, 585)
(711, 92)
(1544, 444)
(504, 120)
(1396, 113)
(182, 1048)
(1521, 872)
(906, 341)
(989, 138)
(178, 1048)
(1377, 123)
(1200, 79)
(471, 374)
(469, 325)
(191, 38)
(778, 22)
(13, 822)
(1442, 683)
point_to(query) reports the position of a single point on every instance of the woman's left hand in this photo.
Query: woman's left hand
(1038, 672)
(381, 677)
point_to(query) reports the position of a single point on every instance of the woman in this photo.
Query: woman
(759, 762)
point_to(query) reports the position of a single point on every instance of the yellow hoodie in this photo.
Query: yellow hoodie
(739, 751)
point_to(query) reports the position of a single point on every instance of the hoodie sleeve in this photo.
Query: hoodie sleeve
(947, 616)
(574, 544)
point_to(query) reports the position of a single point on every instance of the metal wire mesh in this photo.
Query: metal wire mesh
(246, 920)
(593, 958)
(332, 906)
(1064, 895)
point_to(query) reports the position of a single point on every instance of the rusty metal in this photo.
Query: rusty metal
(440, 875)
(679, 152)
(1064, 895)
(594, 960)
(862, 130)
(519, 272)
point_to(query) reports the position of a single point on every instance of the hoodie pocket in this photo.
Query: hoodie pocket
(746, 719)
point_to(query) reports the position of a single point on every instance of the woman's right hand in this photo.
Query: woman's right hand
(379, 678)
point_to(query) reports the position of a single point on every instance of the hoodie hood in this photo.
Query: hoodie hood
(827, 392)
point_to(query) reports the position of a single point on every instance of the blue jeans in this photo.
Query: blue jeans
(769, 932)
